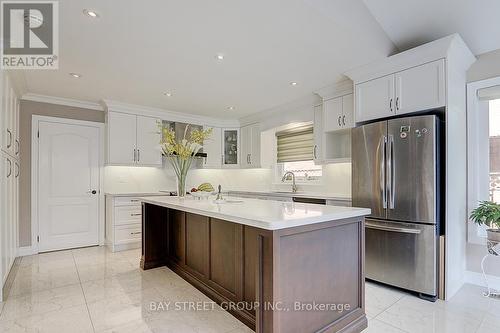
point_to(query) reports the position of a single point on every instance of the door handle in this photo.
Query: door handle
(138, 155)
(135, 233)
(10, 168)
(314, 151)
(136, 214)
(383, 190)
(135, 158)
(343, 120)
(338, 121)
(390, 104)
(391, 171)
(18, 145)
(397, 103)
(393, 229)
(92, 192)
(10, 138)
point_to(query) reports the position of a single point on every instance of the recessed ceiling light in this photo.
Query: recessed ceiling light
(231, 108)
(91, 13)
(75, 75)
(167, 93)
(293, 83)
(219, 57)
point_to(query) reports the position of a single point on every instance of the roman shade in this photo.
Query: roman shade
(295, 144)
(489, 93)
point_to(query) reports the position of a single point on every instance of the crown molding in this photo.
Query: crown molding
(62, 101)
(341, 88)
(173, 116)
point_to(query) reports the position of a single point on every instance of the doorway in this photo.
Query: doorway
(66, 183)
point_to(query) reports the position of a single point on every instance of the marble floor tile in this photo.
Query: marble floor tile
(95, 290)
(412, 314)
(377, 326)
(379, 298)
(42, 302)
(75, 319)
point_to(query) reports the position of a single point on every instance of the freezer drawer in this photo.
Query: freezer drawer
(402, 255)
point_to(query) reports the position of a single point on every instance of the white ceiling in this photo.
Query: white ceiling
(411, 23)
(137, 50)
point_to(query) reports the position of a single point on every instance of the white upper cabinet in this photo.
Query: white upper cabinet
(148, 141)
(318, 134)
(121, 128)
(415, 89)
(338, 113)
(332, 114)
(348, 111)
(250, 146)
(133, 140)
(375, 99)
(420, 88)
(213, 148)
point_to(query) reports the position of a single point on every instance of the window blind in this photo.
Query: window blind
(295, 144)
(489, 93)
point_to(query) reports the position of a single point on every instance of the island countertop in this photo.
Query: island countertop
(265, 214)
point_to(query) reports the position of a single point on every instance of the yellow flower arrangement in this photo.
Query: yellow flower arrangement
(181, 153)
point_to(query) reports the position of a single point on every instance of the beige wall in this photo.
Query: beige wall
(28, 109)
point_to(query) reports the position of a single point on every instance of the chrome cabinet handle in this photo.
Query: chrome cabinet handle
(397, 103)
(390, 104)
(136, 214)
(18, 146)
(135, 233)
(138, 155)
(134, 155)
(382, 171)
(10, 138)
(10, 169)
(18, 170)
(134, 200)
(314, 151)
(338, 121)
(343, 120)
(393, 229)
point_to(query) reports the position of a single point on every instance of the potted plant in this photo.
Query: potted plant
(488, 213)
(181, 153)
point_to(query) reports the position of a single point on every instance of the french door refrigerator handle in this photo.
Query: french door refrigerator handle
(382, 171)
(369, 225)
(391, 170)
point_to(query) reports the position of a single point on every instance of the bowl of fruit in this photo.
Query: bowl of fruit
(205, 190)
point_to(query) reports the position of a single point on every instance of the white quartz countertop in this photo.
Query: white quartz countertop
(265, 214)
(135, 194)
(290, 194)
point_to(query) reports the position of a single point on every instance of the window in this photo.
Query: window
(494, 141)
(295, 154)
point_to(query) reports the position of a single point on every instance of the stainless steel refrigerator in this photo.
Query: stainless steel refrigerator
(395, 170)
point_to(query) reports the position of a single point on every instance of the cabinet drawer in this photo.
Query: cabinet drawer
(127, 201)
(128, 234)
(128, 215)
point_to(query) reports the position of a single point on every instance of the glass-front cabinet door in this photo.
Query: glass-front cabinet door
(230, 147)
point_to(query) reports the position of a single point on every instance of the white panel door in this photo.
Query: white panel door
(148, 141)
(121, 138)
(246, 146)
(255, 146)
(332, 114)
(375, 99)
(213, 148)
(420, 88)
(68, 186)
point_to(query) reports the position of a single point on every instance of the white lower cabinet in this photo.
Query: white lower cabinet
(123, 223)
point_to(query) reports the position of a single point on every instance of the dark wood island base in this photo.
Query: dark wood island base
(302, 279)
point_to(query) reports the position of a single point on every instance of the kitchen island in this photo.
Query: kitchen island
(276, 266)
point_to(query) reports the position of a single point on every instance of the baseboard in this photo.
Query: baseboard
(478, 279)
(24, 251)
